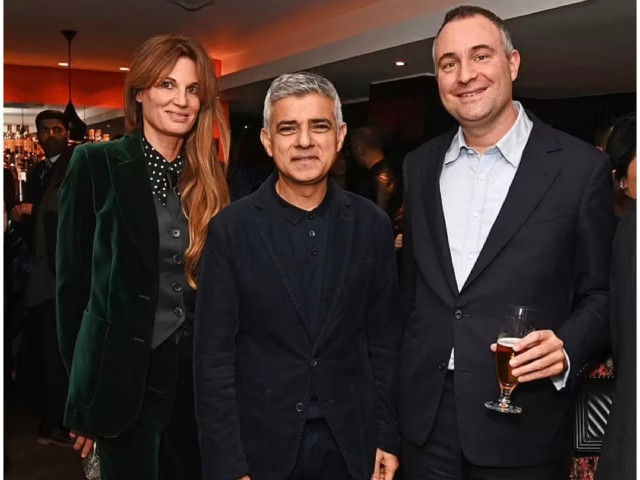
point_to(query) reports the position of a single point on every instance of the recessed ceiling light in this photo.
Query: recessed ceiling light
(124, 69)
(63, 64)
(399, 63)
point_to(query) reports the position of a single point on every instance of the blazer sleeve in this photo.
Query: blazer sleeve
(409, 269)
(216, 326)
(76, 226)
(384, 336)
(586, 330)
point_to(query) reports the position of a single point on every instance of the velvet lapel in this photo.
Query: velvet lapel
(433, 209)
(339, 247)
(134, 197)
(274, 240)
(535, 174)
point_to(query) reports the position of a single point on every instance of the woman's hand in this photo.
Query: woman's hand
(84, 443)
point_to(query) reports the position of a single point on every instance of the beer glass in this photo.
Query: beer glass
(518, 322)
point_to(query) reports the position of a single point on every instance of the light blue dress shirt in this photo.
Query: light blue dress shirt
(473, 187)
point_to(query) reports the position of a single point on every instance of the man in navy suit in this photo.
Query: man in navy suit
(502, 211)
(296, 341)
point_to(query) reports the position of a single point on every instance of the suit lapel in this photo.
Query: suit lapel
(435, 213)
(535, 175)
(274, 241)
(134, 197)
(339, 248)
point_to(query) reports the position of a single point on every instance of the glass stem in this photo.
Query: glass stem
(505, 397)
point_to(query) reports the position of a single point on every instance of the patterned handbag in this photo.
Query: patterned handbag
(596, 390)
(91, 464)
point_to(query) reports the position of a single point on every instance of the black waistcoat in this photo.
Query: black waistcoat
(175, 296)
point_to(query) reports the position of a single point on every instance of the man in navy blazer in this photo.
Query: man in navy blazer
(296, 341)
(503, 211)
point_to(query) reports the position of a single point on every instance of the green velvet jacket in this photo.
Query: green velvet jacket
(107, 282)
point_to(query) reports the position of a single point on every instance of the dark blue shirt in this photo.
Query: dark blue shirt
(308, 234)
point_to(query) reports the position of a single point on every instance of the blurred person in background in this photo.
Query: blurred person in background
(381, 184)
(40, 355)
(618, 457)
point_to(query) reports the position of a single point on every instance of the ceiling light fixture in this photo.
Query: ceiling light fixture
(193, 5)
(399, 63)
(63, 64)
(77, 128)
(124, 69)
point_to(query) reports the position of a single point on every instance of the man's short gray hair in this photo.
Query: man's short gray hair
(467, 11)
(300, 84)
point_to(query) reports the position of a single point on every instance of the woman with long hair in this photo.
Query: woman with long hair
(133, 217)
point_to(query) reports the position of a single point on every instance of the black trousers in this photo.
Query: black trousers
(51, 377)
(319, 457)
(442, 458)
(162, 444)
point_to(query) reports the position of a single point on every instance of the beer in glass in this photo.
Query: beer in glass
(517, 324)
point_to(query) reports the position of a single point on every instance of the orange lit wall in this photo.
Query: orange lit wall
(90, 88)
(48, 85)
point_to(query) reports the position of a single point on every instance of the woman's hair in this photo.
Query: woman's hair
(621, 145)
(203, 186)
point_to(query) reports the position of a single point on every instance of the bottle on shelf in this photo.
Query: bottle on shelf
(19, 140)
(27, 142)
(9, 140)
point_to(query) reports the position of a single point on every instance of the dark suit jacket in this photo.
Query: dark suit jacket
(255, 361)
(549, 248)
(107, 276)
(40, 285)
(51, 215)
(618, 457)
(35, 189)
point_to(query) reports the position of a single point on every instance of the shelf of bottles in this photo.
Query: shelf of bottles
(21, 153)
(96, 135)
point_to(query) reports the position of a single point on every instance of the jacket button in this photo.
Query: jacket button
(458, 315)
(442, 366)
(177, 259)
(175, 232)
(299, 407)
(176, 287)
(179, 311)
(314, 362)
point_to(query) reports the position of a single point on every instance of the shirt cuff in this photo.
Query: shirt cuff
(560, 381)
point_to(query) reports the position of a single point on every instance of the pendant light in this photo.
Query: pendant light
(77, 128)
(23, 129)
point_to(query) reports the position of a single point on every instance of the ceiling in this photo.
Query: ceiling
(25, 114)
(568, 47)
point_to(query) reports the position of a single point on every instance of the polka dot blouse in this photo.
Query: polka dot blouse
(160, 169)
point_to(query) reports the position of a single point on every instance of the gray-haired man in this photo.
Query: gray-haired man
(296, 342)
